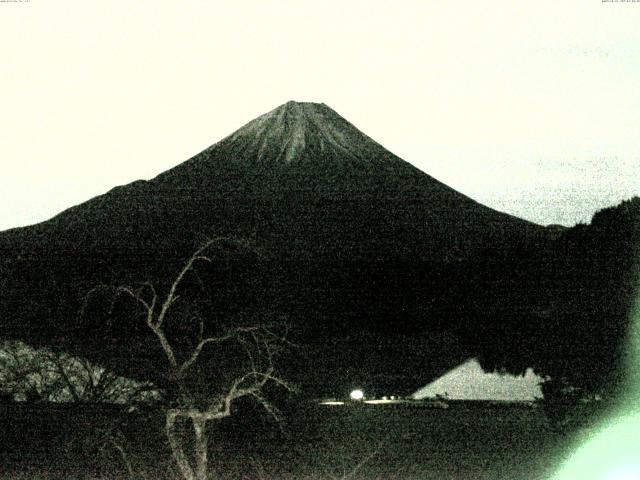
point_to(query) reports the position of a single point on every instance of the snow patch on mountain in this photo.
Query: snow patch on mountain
(295, 129)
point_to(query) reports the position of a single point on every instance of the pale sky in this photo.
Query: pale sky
(532, 109)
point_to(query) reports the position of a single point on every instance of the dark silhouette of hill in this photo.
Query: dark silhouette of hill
(565, 309)
(387, 275)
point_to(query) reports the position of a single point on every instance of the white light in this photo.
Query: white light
(357, 395)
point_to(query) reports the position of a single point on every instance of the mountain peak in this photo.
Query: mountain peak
(295, 130)
(309, 105)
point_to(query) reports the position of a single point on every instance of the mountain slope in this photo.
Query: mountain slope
(271, 180)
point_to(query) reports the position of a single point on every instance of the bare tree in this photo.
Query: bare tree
(208, 363)
(52, 376)
(21, 372)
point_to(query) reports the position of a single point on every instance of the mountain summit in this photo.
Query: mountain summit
(301, 146)
(298, 130)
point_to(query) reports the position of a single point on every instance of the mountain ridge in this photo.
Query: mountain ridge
(304, 156)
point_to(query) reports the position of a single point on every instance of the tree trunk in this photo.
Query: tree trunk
(199, 425)
(176, 448)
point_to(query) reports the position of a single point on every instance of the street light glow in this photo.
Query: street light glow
(357, 395)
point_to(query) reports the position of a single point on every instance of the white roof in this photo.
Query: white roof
(469, 382)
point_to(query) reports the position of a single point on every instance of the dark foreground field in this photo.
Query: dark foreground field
(466, 441)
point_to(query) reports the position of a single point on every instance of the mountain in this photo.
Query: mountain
(359, 248)
(299, 178)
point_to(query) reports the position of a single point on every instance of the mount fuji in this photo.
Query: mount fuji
(357, 246)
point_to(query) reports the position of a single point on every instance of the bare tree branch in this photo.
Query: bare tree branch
(363, 462)
(176, 446)
(171, 296)
(234, 333)
(56, 361)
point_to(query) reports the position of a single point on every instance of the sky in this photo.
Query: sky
(532, 109)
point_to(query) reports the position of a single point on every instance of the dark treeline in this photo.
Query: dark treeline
(559, 304)
(564, 309)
